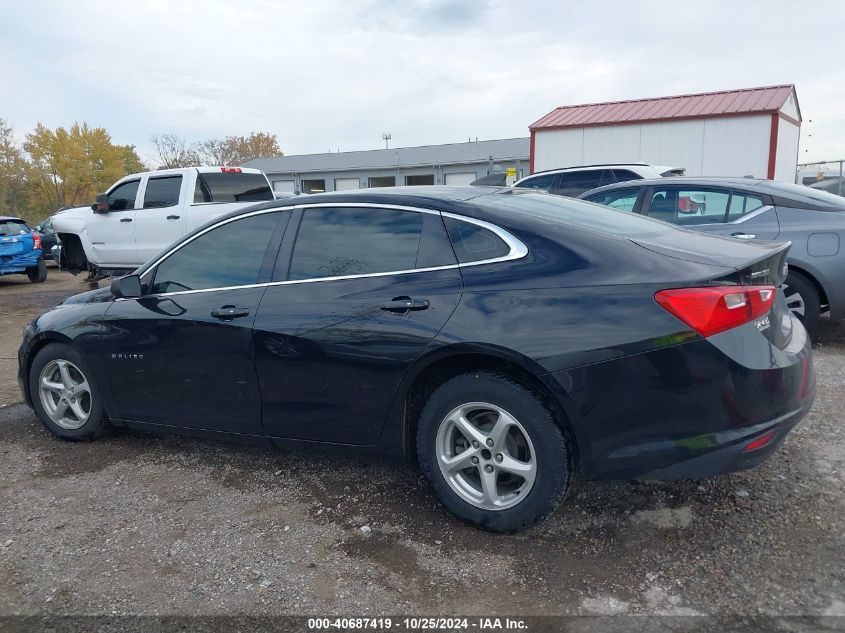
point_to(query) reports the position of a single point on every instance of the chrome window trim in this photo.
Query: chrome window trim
(753, 214)
(517, 250)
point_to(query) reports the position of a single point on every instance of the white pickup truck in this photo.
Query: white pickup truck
(142, 214)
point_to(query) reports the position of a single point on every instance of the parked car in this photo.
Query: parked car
(505, 339)
(572, 181)
(20, 250)
(143, 213)
(48, 237)
(747, 208)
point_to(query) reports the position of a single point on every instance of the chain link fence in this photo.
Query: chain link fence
(826, 175)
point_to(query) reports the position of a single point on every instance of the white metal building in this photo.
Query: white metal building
(449, 164)
(750, 132)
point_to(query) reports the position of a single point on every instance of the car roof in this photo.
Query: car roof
(577, 167)
(4, 218)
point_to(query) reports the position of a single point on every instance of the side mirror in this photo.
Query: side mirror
(101, 204)
(128, 287)
(37, 228)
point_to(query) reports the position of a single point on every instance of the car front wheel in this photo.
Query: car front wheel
(63, 395)
(493, 452)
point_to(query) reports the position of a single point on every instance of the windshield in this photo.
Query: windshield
(13, 227)
(581, 214)
(232, 187)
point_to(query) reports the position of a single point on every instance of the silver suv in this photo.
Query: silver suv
(573, 181)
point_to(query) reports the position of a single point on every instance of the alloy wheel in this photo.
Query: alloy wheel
(65, 394)
(794, 301)
(486, 456)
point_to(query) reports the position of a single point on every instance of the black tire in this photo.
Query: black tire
(807, 298)
(97, 423)
(552, 454)
(37, 274)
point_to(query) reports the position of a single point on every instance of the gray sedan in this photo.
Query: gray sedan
(747, 208)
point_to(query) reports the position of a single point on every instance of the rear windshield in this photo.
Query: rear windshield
(232, 187)
(13, 227)
(581, 214)
(816, 195)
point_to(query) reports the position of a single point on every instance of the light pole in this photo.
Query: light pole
(385, 137)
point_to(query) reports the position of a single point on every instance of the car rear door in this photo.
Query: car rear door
(159, 221)
(719, 210)
(181, 354)
(361, 292)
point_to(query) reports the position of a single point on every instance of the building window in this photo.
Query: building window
(313, 186)
(382, 181)
(413, 181)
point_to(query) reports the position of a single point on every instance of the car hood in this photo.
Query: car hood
(100, 295)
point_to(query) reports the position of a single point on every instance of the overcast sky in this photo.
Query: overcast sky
(329, 75)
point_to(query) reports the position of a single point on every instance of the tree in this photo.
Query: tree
(71, 166)
(236, 150)
(173, 151)
(12, 171)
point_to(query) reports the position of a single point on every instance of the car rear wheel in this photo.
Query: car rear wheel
(802, 299)
(63, 395)
(37, 274)
(493, 452)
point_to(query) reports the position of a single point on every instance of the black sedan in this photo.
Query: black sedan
(506, 340)
(48, 237)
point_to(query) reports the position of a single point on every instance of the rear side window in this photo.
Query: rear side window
(543, 182)
(122, 197)
(473, 243)
(576, 182)
(623, 175)
(335, 242)
(742, 204)
(231, 187)
(688, 207)
(13, 227)
(162, 192)
(620, 199)
(230, 255)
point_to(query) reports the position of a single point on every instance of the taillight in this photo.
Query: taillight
(714, 309)
(36, 241)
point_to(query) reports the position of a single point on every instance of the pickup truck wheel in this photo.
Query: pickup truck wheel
(73, 255)
(64, 396)
(803, 299)
(37, 274)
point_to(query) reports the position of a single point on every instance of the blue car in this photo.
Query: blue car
(20, 250)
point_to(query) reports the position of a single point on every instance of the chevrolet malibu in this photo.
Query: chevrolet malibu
(505, 340)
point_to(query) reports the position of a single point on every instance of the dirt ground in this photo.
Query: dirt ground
(141, 524)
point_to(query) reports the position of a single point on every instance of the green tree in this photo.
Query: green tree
(70, 166)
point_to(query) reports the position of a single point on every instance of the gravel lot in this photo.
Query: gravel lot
(140, 524)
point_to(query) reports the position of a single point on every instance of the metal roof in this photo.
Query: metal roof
(695, 106)
(422, 156)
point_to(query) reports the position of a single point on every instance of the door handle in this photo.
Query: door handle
(125, 219)
(227, 313)
(172, 217)
(744, 236)
(404, 304)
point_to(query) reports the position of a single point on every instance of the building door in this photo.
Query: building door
(461, 179)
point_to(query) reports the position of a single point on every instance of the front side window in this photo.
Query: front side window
(742, 204)
(543, 182)
(162, 192)
(620, 199)
(334, 242)
(473, 243)
(229, 255)
(689, 206)
(122, 197)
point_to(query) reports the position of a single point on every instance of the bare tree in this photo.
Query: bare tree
(173, 151)
(236, 150)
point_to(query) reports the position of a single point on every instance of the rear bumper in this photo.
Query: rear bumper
(19, 263)
(687, 411)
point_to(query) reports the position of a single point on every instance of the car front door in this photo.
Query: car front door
(181, 354)
(361, 293)
(112, 233)
(724, 211)
(159, 221)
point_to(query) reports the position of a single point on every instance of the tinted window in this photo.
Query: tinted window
(336, 242)
(543, 182)
(622, 175)
(13, 227)
(473, 243)
(230, 255)
(742, 204)
(689, 206)
(574, 182)
(621, 199)
(162, 192)
(231, 187)
(122, 197)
